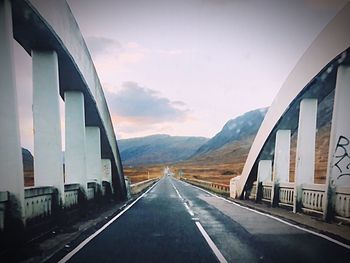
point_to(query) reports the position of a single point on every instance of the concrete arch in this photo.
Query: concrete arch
(333, 40)
(50, 25)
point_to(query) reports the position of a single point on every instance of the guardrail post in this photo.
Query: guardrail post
(75, 159)
(281, 163)
(338, 170)
(48, 159)
(305, 152)
(11, 166)
(93, 155)
(264, 173)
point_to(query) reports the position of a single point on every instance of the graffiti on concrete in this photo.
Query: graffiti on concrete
(341, 156)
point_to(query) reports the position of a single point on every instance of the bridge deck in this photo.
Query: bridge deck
(163, 227)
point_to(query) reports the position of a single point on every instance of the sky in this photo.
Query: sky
(186, 67)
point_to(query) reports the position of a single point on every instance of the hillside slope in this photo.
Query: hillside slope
(236, 129)
(158, 149)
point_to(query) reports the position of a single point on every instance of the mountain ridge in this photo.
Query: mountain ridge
(163, 148)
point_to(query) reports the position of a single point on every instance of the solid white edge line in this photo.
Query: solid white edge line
(273, 217)
(211, 244)
(87, 240)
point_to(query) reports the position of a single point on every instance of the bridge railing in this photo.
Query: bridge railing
(320, 80)
(286, 194)
(267, 191)
(313, 198)
(342, 203)
(38, 202)
(71, 193)
(91, 191)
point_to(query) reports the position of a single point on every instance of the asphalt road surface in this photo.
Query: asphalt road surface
(176, 222)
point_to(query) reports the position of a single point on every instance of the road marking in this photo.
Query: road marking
(177, 191)
(211, 244)
(189, 210)
(275, 218)
(82, 244)
(207, 238)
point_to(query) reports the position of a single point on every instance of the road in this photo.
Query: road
(176, 222)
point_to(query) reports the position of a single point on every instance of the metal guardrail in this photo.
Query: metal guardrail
(140, 186)
(215, 187)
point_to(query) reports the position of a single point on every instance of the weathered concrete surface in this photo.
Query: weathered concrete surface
(50, 25)
(330, 43)
(11, 165)
(75, 150)
(48, 161)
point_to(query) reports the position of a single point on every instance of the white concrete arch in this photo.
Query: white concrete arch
(331, 42)
(50, 25)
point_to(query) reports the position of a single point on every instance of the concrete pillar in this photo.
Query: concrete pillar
(264, 174)
(48, 157)
(281, 163)
(11, 166)
(338, 170)
(305, 152)
(93, 155)
(75, 159)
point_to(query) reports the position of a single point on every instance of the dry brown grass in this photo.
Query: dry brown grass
(217, 173)
(28, 178)
(142, 173)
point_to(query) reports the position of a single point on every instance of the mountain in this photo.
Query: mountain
(28, 161)
(234, 130)
(156, 149)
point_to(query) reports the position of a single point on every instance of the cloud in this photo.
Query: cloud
(102, 45)
(139, 105)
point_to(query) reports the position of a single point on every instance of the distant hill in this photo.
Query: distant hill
(234, 130)
(28, 161)
(156, 149)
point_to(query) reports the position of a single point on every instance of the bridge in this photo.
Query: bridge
(173, 221)
(323, 71)
(62, 66)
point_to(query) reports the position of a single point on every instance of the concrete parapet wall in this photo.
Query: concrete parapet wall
(71, 192)
(38, 202)
(313, 198)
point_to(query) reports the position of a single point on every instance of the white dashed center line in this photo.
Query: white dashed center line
(207, 238)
